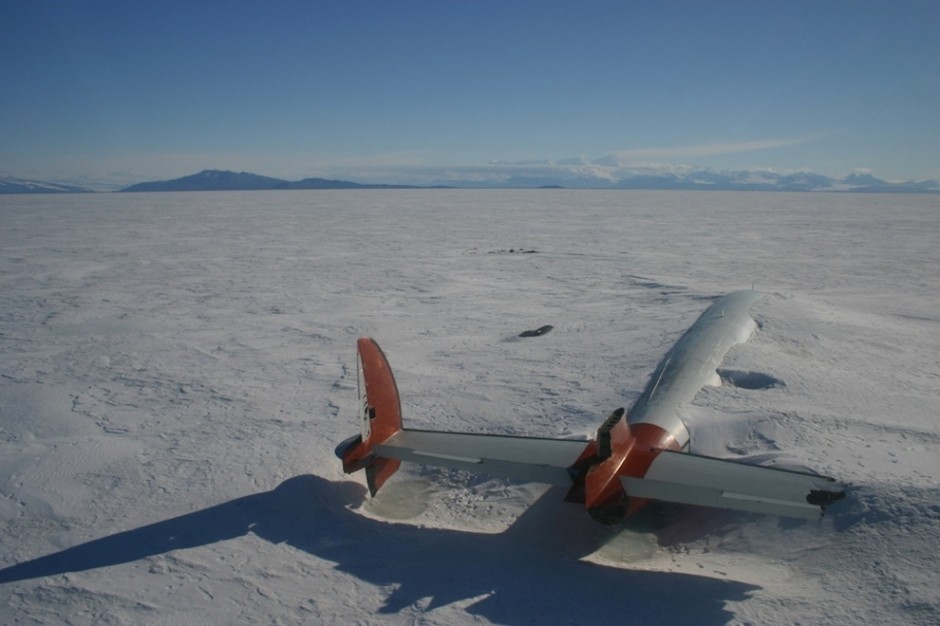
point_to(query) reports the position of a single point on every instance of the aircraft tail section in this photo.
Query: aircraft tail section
(614, 475)
(383, 443)
(379, 417)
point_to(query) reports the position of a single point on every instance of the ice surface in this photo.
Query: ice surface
(176, 370)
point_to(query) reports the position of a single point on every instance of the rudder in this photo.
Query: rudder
(379, 417)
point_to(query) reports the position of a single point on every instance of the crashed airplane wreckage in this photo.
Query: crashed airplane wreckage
(633, 459)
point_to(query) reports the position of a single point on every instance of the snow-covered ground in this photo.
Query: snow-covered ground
(176, 369)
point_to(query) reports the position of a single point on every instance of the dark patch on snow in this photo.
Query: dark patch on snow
(515, 251)
(538, 332)
(749, 380)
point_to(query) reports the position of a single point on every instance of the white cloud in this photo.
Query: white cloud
(622, 157)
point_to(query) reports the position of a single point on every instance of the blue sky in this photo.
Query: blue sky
(417, 91)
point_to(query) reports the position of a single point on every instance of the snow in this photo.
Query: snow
(177, 368)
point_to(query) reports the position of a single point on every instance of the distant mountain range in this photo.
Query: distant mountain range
(684, 178)
(746, 180)
(216, 180)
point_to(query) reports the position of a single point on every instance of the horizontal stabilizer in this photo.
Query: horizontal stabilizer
(519, 458)
(705, 481)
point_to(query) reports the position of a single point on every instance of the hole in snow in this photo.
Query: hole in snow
(749, 380)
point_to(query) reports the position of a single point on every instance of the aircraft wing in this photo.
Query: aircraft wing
(532, 459)
(726, 484)
(672, 477)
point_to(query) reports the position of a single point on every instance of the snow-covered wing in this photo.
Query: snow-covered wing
(519, 458)
(725, 484)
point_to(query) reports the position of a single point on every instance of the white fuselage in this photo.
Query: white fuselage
(692, 363)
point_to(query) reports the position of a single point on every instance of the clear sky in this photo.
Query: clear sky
(402, 91)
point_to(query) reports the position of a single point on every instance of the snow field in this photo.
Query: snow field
(177, 368)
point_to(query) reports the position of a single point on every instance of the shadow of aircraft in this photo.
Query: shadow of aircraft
(528, 574)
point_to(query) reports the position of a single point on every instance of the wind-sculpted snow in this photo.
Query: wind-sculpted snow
(176, 370)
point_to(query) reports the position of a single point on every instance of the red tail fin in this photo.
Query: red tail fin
(379, 416)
